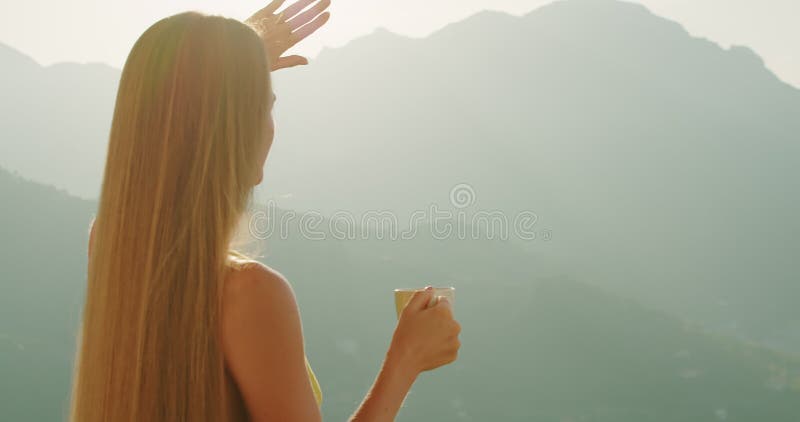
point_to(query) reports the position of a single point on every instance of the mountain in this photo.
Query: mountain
(59, 115)
(43, 237)
(663, 165)
(534, 347)
(549, 99)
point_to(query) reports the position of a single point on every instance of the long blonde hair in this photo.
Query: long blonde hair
(191, 110)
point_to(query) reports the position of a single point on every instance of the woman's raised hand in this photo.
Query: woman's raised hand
(282, 31)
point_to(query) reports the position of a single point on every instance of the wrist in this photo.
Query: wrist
(387, 394)
(400, 367)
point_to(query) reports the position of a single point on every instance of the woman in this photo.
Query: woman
(178, 326)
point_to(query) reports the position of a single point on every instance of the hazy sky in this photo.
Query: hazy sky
(104, 30)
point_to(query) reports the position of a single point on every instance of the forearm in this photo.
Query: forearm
(384, 399)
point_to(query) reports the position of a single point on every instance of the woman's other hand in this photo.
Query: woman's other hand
(426, 337)
(282, 31)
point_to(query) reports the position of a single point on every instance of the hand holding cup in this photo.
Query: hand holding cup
(426, 336)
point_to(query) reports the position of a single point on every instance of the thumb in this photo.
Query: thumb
(420, 299)
(290, 61)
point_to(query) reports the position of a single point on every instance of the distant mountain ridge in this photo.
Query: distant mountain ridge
(59, 115)
(23, 75)
(43, 235)
(663, 164)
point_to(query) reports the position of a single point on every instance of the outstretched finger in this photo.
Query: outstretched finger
(289, 61)
(269, 9)
(309, 29)
(296, 8)
(308, 15)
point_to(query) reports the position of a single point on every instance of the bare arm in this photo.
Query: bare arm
(263, 346)
(384, 399)
(425, 338)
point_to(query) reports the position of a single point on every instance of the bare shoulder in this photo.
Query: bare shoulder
(256, 284)
(254, 276)
(257, 302)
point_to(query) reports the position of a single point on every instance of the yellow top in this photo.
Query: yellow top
(314, 384)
